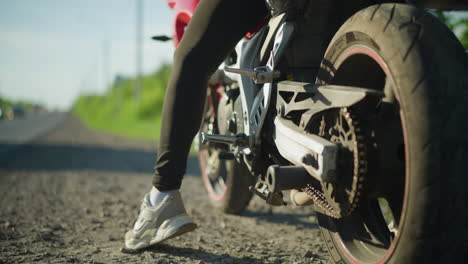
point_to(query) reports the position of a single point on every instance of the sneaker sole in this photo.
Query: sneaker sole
(170, 228)
(183, 229)
(173, 227)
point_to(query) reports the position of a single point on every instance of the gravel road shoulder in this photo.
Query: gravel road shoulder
(69, 197)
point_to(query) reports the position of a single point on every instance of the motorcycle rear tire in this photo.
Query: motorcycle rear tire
(236, 195)
(429, 69)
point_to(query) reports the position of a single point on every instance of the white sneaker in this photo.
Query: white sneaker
(158, 223)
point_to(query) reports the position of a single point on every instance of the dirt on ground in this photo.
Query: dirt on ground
(70, 196)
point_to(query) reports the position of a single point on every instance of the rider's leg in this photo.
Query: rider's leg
(214, 30)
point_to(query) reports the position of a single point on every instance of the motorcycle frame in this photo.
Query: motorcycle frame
(256, 98)
(183, 12)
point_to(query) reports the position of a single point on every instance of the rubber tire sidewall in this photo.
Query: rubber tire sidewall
(430, 84)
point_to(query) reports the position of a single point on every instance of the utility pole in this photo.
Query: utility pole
(105, 64)
(139, 55)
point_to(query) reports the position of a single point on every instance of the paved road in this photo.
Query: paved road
(70, 195)
(22, 130)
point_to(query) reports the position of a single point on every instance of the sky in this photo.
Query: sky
(53, 50)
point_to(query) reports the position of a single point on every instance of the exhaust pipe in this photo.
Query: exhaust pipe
(289, 178)
(286, 178)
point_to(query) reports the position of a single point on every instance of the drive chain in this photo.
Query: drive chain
(359, 171)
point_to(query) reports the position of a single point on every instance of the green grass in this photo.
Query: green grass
(136, 129)
(119, 113)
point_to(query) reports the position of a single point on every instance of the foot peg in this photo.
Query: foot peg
(237, 140)
(271, 198)
(277, 179)
(259, 75)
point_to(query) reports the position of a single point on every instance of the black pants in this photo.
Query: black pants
(215, 28)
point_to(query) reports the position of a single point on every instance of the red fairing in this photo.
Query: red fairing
(183, 10)
(257, 27)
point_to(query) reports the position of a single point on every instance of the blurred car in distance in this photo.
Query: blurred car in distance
(18, 111)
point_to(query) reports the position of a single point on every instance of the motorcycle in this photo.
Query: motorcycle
(359, 107)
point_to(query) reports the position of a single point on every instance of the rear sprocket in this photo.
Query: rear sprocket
(340, 199)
